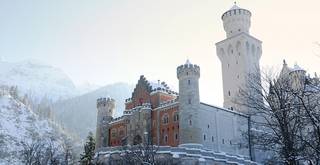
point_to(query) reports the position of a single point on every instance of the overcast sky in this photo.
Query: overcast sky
(104, 41)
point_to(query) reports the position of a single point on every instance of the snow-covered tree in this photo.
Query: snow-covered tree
(88, 153)
(285, 116)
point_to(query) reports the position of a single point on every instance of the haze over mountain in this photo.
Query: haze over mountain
(37, 80)
(79, 114)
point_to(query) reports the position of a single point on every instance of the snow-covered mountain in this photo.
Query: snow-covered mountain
(18, 126)
(37, 80)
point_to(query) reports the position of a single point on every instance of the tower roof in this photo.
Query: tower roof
(188, 62)
(296, 67)
(235, 6)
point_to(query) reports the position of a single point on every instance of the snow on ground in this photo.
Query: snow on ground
(18, 124)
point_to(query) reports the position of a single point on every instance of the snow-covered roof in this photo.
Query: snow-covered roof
(234, 7)
(296, 67)
(158, 85)
(188, 62)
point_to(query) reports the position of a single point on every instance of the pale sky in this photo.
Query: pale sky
(104, 41)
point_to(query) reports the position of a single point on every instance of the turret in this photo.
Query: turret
(297, 77)
(236, 20)
(105, 107)
(189, 103)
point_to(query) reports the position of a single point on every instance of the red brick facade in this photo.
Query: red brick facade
(164, 114)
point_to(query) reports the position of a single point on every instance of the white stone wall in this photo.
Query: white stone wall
(239, 56)
(223, 130)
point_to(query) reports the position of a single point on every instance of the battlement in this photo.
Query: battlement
(188, 69)
(128, 100)
(104, 101)
(236, 21)
(118, 119)
(143, 106)
(163, 90)
(167, 103)
(236, 12)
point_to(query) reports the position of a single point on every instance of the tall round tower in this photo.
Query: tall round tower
(189, 103)
(239, 54)
(105, 107)
(236, 20)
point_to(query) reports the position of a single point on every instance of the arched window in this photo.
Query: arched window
(204, 137)
(253, 50)
(189, 82)
(166, 138)
(176, 116)
(165, 119)
(190, 122)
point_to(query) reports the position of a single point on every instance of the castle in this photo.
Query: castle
(166, 118)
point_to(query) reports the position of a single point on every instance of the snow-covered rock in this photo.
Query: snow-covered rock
(18, 125)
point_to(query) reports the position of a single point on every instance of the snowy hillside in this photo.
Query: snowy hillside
(18, 125)
(37, 80)
(79, 114)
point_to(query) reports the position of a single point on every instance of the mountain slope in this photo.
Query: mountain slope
(37, 80)
(79, 114)
(18, 126)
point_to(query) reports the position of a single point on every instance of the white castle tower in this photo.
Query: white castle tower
(189, 103)
(239, 54)
(105, 108)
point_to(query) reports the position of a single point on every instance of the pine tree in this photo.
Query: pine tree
(89, 147)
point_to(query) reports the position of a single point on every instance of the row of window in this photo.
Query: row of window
(168, 129)
(165, 138)
(212, 139)
(165, 118)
